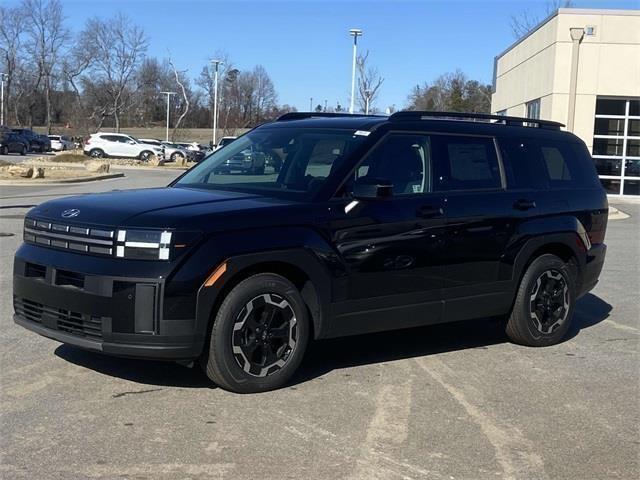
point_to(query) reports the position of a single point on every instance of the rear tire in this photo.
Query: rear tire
(544, 304)
(23, 152)
(259, 335)
(176, 157)
(5, 150)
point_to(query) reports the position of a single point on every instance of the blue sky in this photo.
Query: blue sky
(305, 46)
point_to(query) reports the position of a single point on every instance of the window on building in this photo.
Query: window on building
(533, 109)
(616, 144)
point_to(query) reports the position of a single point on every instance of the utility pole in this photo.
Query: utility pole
(3, 76)
(355, 33)
(311, 104)
(216, 64)
(168, 94)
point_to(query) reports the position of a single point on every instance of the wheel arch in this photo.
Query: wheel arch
(299, 266)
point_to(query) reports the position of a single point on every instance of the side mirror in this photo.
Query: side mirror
(131, 142)
(372, 188)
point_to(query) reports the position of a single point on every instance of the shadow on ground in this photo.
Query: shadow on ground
(324, 356)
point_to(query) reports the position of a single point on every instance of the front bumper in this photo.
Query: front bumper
(115, 315)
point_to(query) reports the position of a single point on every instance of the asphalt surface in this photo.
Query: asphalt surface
(446, 402)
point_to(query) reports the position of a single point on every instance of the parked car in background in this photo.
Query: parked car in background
(100, 145)
(45, 142)
(199, 151)
(224, 141)
(60, 143)
(171, 151)
(35, 142)
(13, 143)
(249, 160)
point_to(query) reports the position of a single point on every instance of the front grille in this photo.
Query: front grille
(78, 324)
(26, 308)
(83, 239)
(75, 323)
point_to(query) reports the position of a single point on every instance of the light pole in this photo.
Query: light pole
(355, 33)
(3, 76)
(168, 94)
(216, 64)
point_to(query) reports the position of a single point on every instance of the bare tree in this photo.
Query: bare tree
(46, 37)
(525, 21)
(369, 83)
(119, 47)
(11, 28)
(181, 83)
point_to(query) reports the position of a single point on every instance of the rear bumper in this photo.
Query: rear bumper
(593, 267)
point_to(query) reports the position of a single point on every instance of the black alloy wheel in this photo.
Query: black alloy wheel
(549, 301)
(265, 334)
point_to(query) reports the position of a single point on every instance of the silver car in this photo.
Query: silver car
(172, 152)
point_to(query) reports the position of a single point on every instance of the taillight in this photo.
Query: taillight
(87, 141)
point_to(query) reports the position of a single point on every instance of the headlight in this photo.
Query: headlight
(143, 244)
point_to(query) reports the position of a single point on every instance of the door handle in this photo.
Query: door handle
(429, 212)
(522, 204)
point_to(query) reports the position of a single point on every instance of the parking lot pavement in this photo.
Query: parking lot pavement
(445, 402)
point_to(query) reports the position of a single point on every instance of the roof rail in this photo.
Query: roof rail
(301, 115)
(408, 115)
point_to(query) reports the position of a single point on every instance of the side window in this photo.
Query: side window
(566, 165)
(556, 165)
(109, 138)
(470, 163)
(402, 159)
(521, 164)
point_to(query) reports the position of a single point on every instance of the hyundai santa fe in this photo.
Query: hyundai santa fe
(371, 224)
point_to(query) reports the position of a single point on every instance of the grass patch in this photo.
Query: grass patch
(70, 158)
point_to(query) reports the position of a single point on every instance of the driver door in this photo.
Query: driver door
(392, 247)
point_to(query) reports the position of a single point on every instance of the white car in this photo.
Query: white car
(60, 143)
(171, 151)
(224, 141)
(100, 145)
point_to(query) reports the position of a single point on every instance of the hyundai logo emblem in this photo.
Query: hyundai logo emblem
(72, 212)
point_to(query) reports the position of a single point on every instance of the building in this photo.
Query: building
(581, 67)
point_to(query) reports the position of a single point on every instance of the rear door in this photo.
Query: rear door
(478, 225)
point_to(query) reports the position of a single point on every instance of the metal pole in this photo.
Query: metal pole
(576, 37)
(168, 94)
(355, 33)
(2, 76)
(311, 104)
(217, 63)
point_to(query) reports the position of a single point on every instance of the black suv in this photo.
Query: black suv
(371, 224)
(36, 143)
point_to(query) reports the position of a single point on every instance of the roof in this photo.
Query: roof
(356, 122)
(568, 11)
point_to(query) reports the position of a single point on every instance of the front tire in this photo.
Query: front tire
(96, 153)
(259, 335)
(176, 156)
(544, 304)
(146, 156)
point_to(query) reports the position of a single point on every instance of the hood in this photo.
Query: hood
(119, 208)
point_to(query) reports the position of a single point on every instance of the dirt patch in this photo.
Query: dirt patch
(67, 158)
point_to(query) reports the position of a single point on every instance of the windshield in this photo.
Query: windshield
(274, 159)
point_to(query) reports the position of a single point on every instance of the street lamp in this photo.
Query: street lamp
(3, 77)
(216, 64)
(355, 33)
(168, 94)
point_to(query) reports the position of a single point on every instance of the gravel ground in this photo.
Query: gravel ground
(445, 402)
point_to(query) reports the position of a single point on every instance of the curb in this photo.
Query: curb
(36, 181)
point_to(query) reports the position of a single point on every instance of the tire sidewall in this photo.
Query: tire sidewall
(537, 268)
(222, 331)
